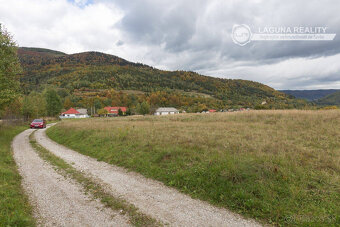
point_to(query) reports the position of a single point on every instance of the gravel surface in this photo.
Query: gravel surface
(58, 201)
(151, 197)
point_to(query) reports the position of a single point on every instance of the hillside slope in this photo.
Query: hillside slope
(94, 72)
(332, 99)
(310, 95)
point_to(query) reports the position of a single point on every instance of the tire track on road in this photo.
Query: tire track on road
(58, 201)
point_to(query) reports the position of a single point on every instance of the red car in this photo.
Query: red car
(38, 123)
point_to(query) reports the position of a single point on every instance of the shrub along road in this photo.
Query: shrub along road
(150, 197)
(56, 200)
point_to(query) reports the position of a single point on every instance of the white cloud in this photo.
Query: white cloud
(293, 73)
(186, 35)
(61, 25)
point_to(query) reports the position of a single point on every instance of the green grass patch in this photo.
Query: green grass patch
(136, 218)
(14, 207)
(280, 167)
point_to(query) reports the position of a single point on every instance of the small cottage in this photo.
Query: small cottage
(73, 113)
(166, 111)
(113, 111)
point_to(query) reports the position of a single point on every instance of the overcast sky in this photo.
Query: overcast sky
(188, 35)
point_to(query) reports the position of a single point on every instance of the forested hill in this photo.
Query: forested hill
(92, 73)
(331, 99)
(311, 95)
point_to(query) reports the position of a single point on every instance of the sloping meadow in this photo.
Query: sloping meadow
(280, 167)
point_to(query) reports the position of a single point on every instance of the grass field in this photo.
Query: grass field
(280, 167)
(14, 207)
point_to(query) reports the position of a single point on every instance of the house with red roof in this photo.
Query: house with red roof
(113, 110)
(73, 113)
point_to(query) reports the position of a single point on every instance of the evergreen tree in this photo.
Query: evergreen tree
(120, 112)
(97, 104)
(128, 112)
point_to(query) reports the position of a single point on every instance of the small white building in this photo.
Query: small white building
(73, 113)
(166, 111)
(82, 111)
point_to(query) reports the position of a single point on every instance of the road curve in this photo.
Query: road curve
(58, 201)
(151, 197)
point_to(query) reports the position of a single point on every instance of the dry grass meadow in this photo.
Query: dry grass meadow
(280, 167)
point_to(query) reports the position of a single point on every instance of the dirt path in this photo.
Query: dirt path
(151, 197)
(58, 201)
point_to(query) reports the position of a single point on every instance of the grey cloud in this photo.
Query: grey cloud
(176, 24)
(188, 35)
(195, 27)
(120, 43)
(168, 23)
(203, 32)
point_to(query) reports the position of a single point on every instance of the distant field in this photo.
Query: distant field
(14, 207)
(281, 167)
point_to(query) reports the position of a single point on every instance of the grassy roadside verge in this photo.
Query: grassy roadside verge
(136, 218)
(14, 207)
(281, 167)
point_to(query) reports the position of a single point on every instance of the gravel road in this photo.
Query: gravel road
(58, 201)
(151, 197)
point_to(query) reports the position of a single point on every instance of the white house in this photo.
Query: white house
(166, 111)
(73, 113)
(83, 111)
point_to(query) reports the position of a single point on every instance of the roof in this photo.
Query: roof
(71, 111)
(212, 110)
(167, 109)
(114, 109)
(82, 111)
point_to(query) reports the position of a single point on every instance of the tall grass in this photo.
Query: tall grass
(14, 207)
(282, 167)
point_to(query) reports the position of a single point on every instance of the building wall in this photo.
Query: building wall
(82, 116)
(74, 116)
(165, 113)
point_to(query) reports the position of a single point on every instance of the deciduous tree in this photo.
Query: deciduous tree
(143, 108)
(102, 112)
(9, 69)
(34, 105)
(68, 103)
(53, 103)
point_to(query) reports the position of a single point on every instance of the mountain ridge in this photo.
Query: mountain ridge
(95, 71)
(310, 95)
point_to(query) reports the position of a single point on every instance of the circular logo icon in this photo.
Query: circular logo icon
(241, 34)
